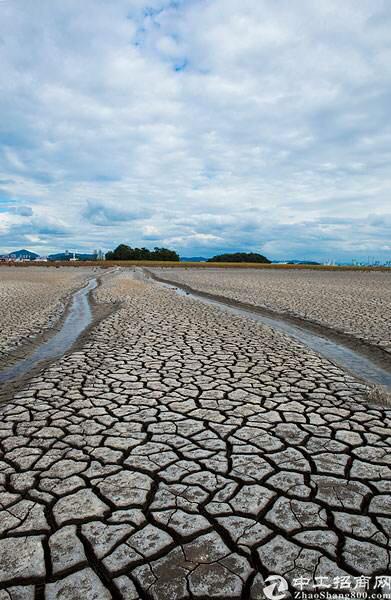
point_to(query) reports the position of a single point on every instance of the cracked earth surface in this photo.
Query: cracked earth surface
(356, 303)
(32, 299)
(185, 453)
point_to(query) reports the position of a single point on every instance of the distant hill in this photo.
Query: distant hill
(193, 259)
(23, 254)
(240, 257)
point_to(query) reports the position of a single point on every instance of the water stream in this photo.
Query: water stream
(351, 360)
(78, 318)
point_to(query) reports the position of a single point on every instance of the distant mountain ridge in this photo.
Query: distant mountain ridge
(23, 254)
(193, 259)
(297, 262)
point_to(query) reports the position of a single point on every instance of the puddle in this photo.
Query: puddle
(78, 318)
(357, 364)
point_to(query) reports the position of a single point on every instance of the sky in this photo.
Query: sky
(206, 126)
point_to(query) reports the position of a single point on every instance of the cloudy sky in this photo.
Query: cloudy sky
(202, 125)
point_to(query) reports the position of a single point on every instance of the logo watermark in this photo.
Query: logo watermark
(277, 587)
(329, 588)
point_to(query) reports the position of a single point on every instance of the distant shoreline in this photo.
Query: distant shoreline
(188, 265)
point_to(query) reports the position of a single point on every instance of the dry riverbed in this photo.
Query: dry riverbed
(32, 299)
(353, 302)
(183, 453)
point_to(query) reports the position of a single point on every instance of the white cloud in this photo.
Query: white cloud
(218, 125)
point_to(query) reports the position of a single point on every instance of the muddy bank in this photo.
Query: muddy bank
(356, 304)
(29, 359)
(375, 354)
(33, 300)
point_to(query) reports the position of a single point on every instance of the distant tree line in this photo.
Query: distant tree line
(240, 257)
(124, 252)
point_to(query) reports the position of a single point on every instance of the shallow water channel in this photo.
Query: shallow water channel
(351, 360)
(78, 318)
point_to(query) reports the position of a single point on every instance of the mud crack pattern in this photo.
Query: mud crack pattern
(355, 303)
(184, 453)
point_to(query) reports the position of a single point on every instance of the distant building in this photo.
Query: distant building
(99, 255)
(71, 256)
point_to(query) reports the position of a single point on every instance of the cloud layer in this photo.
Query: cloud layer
(205, 125)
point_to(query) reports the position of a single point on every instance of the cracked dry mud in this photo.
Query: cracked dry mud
(185, 453)
(356, 303)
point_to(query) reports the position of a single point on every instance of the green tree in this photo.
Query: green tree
(239, 257)
(124, 252)
(165, 254)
